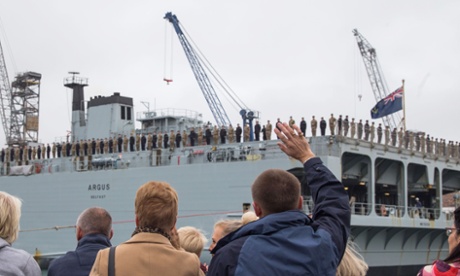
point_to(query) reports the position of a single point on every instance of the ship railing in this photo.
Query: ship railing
(388, 210)
(425, 213)
(360, 208)
(249, 151)
(169, 112)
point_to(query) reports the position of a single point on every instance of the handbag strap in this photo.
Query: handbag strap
(112, 261)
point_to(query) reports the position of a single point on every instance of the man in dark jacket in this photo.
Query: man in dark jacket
(94, 231)
(132, 140)
(303, 126)
(257, 130)
(166, 140)
(119, 143)
(285, 241)
(223, 135)
(238, 133)
(178, 139)
(143, 141)
(322, 126)
(208, 135)
(154, 140)
(193, 136)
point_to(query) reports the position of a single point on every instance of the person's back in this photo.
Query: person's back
(147, 254)
(80, 261)
(149, 251)
(94, 231)
(278, 244)
(285, 241)
(14, 262)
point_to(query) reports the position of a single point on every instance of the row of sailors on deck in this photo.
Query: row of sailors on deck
(208, 135)
(413, 141)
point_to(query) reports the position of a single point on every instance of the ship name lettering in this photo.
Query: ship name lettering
(97, 196)
(98, 187)
(355, 149)
(403, 157)
(380, 153)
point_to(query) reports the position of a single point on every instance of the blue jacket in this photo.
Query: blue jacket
(80, 261)
(290, 243)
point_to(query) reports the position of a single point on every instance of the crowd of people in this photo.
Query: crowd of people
(278, 238)
(213, 135)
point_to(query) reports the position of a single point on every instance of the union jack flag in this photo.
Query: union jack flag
(396, 94)
(388, 105)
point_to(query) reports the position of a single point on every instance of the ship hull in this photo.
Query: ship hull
(212, 186)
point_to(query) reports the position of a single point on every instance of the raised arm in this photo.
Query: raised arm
(332, 211)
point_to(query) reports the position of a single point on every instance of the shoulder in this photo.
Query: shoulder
(15, 259)
(58, 265)
(63, 260)
(440, 267)
(226, 258)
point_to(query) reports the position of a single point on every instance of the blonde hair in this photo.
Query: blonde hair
(228, 225)
(352, 262)
(192, 239)
(248, 217)
(156, 205)
(10, 213)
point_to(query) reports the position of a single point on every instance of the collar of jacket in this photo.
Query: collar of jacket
(3, 243)
(94, 238)
(145, 237)
(266, 225)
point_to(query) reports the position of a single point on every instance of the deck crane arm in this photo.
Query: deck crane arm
(205, 84)
(375, 74)
(5, 96)
(200, 74)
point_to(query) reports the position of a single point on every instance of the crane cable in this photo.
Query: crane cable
(168, 63)
(8, 46)
(214, 73)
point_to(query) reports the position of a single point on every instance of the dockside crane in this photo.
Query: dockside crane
(196, 61)
(5, 95)
(376, 77)
(19, 105)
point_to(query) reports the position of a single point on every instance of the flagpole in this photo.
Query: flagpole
(404, 106)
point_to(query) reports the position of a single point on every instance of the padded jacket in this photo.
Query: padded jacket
(290, 243)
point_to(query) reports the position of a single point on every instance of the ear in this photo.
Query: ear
(257, 209)
(79, 233)
(137, 221)
(111, 234)
(300, 205)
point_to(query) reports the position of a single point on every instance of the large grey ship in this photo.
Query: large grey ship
(394, 234)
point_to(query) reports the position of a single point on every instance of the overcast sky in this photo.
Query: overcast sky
(283, 58)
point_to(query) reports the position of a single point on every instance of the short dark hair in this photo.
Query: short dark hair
(276, 191)
(95, 220)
